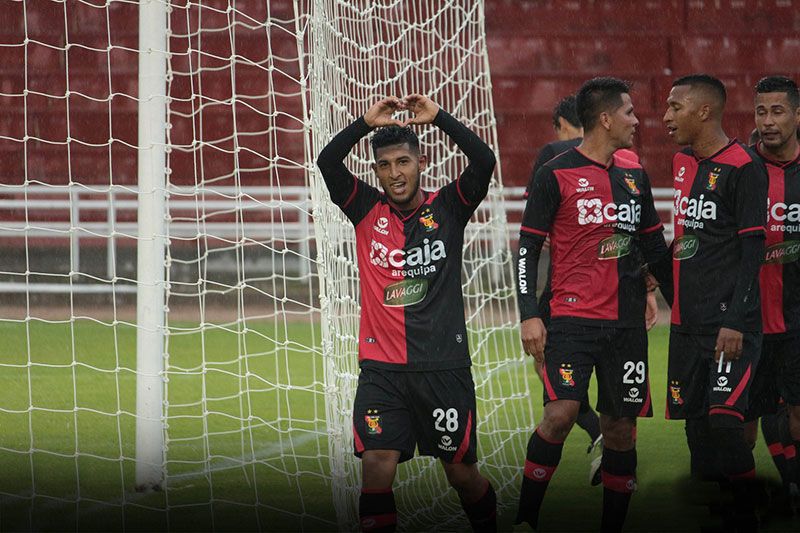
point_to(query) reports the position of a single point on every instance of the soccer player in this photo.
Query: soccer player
(777, 117)
(597, 208)
(720, 193)
(415, 387)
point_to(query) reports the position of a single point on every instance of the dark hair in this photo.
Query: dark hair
(567, 109)
(391, 135)
(706, 81)
(780, 84)
(599, 95)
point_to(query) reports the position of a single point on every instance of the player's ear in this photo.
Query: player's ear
(374, 168)
(423, 162)
(605, 120)
(704, 112)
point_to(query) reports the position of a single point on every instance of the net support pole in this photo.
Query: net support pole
(150, 303)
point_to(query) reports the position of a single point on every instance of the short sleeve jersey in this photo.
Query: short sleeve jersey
(412, 308)
(780, 273)
(717, 201)
(594, 216)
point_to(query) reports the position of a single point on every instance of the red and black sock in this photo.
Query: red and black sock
(588, 421)
(775, 429)
(541, 462)
(738, 466)
(377, 511)
(482, 514)
(619, 482)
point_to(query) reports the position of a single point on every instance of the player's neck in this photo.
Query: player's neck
(597, 149)
(710, 143)
(782, 154)
(406, 208)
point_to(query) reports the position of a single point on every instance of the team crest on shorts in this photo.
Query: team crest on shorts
(373, 421)
(426, 219)
(712, 179)
(566, 372)
(675, 393)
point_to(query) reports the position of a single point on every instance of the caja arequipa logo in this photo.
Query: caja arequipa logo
(379, 254)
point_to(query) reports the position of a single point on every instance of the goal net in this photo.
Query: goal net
(244, 271)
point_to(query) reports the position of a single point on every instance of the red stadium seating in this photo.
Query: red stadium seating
(737, 54)
(705, 17)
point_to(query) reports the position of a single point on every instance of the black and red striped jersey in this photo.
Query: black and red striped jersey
(780, 273)
(718, 202)
(595, 216)
(409, 264)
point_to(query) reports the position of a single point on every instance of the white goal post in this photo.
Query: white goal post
(166, 150)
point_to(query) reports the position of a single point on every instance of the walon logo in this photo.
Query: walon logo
(685, 247)
(406, 292)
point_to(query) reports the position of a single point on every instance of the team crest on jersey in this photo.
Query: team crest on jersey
(713, 176)
(373, 421)
(675, 393)
(426, 219)
(566, 372)
(631, 183)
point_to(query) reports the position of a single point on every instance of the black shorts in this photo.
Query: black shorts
(777, 376)
(618, 354)
(434, 411)
(696, 386)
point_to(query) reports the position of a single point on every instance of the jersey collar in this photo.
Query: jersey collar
(779, 164)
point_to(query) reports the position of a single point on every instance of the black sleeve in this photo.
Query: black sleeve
(752, 246)
(340, 182)
(545, 154)
(473, 184)
(530, 248)
(543, 203)
(750, 198)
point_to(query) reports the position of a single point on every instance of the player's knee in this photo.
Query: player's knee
(462, 477)
(617, 432)
(725, 418)
(559, 417)
(378, 468)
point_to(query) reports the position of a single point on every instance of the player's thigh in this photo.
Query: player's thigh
(729, 383)
(789, 373)
(687, 374)
(444, 414)
(381, 418)
(764, 396)
(623, 384)
(569, 361)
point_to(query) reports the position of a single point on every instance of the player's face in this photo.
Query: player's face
(623, 123)
(681, 118)
(398, 168)
(776, 120)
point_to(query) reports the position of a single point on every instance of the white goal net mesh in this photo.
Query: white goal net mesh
(261, 293)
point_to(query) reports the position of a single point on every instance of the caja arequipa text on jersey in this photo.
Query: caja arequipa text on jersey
(780, 273)
(717, 201)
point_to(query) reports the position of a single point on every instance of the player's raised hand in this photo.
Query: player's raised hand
(381, 113)
(534, 337)
(422, 109)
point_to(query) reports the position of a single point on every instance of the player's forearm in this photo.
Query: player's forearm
(476, 177)
(337, 178)
(746, 281)
(659, 261)
(530, 248)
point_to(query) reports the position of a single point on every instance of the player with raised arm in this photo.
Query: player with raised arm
(597, 208)
(777, 378)
(415, 388)
(720, 193)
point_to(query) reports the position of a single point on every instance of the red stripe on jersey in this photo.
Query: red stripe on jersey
(551, 394)
(652, 229)
(754, 229)
(771, 274)
(352, 194)
(684, 171)
(740, 387)
(464, 446)
(526, 229)
(461, 194)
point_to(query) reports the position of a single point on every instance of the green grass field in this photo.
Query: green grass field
(67, 394)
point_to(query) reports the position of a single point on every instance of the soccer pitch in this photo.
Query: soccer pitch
(82, 468)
